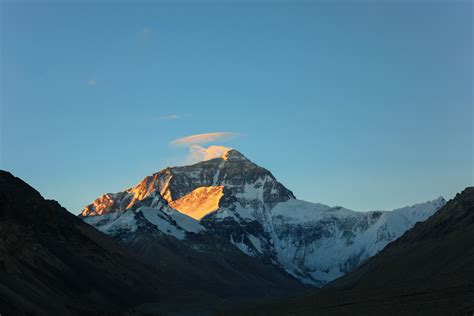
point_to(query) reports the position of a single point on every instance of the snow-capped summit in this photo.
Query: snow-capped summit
(218, 181)
(233, 155)
(198, 153)
(231, 197)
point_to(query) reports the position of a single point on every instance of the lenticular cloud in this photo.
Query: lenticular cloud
(203, 138)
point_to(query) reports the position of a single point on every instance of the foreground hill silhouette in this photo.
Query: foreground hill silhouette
(429, 270)
(53, 263)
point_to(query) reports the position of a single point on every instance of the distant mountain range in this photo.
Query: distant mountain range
(233, 199)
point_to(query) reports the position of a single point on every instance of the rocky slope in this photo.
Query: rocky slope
(232, 198)
(51, 263)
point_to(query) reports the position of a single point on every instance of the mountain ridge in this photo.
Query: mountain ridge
(262, 218)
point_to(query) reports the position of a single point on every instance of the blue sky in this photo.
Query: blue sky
(363, 104)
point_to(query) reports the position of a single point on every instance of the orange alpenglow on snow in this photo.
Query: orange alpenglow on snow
(142, 190)
(198, 153)
(199, 202)
(99, 207)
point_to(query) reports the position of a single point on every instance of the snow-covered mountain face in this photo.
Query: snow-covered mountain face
(150, 215)
(211, 184)
(235, 199)
(318, 244)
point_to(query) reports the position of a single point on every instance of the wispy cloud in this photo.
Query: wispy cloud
(203, 138)
(198, 153)
(147, 32)
(170, 117)
(91, 82)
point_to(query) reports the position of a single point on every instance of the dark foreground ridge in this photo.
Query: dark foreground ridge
(429, 271)
(52, 263)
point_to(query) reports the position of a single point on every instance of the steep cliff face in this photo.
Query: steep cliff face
(232, 198)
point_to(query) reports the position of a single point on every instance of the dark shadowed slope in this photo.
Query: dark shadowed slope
(52, 263)
(202, 275)
(429, 270)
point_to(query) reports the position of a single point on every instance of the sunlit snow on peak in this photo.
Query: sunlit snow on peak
(198, 153)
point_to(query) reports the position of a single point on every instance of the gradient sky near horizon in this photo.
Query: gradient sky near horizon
(364, 104)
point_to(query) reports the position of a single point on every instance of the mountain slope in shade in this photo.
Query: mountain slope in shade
(52, 263)
(321, 243)
(239, 201)
(204, 272)
(429, 270)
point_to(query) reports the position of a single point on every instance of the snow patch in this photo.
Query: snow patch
(256, 243)
(242, 247)
(153, 216)
(113, 222)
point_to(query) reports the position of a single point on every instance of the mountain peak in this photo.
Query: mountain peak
(233, 154)
(199, 154)
(224, 176)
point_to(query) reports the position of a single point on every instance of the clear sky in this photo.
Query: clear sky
(364, 104)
